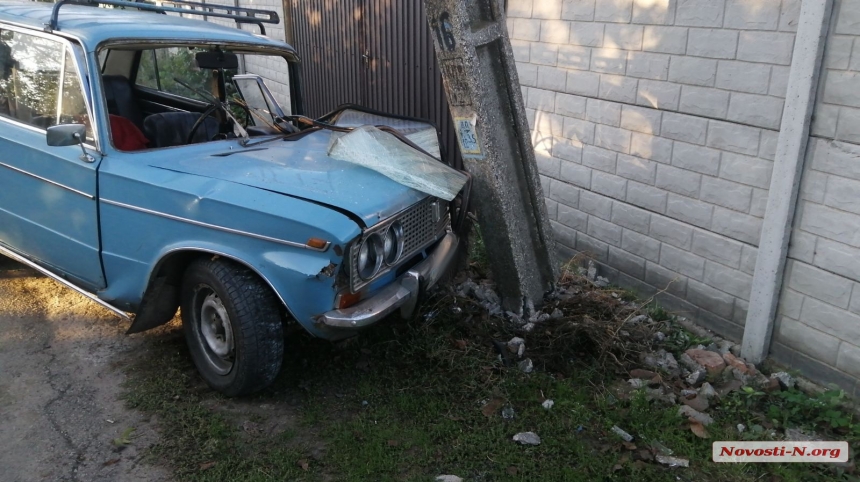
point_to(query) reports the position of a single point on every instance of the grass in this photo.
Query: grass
(408, 401)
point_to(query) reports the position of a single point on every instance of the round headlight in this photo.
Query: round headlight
(370, 255)
(393, 243)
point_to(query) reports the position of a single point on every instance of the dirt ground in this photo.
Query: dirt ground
(60, 380)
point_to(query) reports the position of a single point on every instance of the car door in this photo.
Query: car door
(48, 207)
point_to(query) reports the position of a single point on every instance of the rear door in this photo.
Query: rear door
(48, 207)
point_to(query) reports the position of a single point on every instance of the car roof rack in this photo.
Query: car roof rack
(239, 14)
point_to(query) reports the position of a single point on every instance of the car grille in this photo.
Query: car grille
(423, 224)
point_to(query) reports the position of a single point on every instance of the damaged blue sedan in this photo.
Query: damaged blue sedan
(143, 166)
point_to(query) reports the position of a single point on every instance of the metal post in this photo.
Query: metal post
(483, 89)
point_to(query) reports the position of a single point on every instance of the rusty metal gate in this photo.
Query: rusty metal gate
(377, 53)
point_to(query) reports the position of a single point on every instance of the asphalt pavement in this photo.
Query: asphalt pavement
(61, 359)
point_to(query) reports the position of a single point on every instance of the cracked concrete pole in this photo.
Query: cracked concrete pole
(480, 78)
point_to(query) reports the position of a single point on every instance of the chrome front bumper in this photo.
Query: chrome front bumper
(402, 294)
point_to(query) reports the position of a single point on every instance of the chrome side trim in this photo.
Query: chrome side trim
(67, 284)
(216, 227)
(63, 186)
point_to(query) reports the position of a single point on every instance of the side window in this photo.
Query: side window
(39, 84)
(73, 107)
(159, 69)
(276, 72)
(147, 75)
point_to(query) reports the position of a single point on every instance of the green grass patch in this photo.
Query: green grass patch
(407, 401)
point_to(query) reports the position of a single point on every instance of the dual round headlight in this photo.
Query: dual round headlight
(378, 249)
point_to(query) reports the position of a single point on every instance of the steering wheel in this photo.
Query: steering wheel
(211, 108)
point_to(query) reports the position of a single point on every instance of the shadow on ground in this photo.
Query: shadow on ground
(61, 359)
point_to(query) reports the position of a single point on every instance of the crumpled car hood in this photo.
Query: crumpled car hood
(301, 169)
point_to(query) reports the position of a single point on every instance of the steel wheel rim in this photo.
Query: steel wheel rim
(215, 332)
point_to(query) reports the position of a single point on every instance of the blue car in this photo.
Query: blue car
(142, 166)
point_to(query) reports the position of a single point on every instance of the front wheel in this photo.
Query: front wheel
(233, 326)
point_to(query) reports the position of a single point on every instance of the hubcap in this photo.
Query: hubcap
(217, 333)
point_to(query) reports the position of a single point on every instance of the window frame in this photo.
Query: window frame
(79, 60)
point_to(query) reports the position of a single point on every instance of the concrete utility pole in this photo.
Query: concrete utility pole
(480, 77)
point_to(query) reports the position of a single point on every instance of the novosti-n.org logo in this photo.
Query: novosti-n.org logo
(784, 451)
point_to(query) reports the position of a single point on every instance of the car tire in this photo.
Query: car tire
(232, 325)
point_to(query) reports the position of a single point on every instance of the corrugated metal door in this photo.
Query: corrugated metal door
(377, 53)
(328, 36)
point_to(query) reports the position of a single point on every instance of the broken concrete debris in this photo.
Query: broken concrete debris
(785, 380)
(735, 362)
(638, 319)
(689, 363)
(621, 433)
(449, 478)
(661, 394)
(526, 366)
(591, 274)
(710, 361)
(800, 435)
(692, 380)
(696, 402)
(693, 414)
(664, 361)
(707, 391)
(695, 377)
(485, 294)
(725, 346)
(517, 346)
(672, 461)
(636, 383)
(527, 438)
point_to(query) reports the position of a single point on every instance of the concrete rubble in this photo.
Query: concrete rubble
(663, 360)
(449, 478)
(517, 346)
(693, 414)
(695, 380)
(526, 366)
(672, 461)
(785, 380)
(621, 433)
(527, 438)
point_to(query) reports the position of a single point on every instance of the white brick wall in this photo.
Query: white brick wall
(661, 118)
(684, 42)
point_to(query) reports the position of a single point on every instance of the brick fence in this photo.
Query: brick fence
(657, 123)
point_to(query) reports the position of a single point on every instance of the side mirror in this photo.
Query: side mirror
(69, 135)
(66, 135)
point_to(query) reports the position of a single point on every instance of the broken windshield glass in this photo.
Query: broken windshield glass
(422, 134)
(384, 153)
